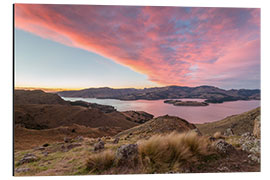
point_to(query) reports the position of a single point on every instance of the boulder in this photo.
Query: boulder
(223, 169)
(79, 138)
(99, 145)
(250, 144)
(127, 155)
(116, 140)
(228, 132)
(73, 145)
(70, 146)
(22, 170)
(223, 147)
(28, 158)
(254, 158)
(257, 127)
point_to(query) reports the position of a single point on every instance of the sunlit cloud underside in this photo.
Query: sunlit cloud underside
(170, 45)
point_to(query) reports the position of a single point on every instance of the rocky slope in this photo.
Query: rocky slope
(210, 93)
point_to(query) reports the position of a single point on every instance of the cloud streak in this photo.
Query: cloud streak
(171, 45)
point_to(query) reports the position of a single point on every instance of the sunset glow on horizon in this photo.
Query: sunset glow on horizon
(81, 46)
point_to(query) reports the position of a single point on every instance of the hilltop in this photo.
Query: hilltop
(160, 125)
(37, 97)
(210, 93)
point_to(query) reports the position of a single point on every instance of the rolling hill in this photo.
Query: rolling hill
(210, 93)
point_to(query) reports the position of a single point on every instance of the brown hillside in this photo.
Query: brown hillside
(41, 116)
(37, 97)
(138, 116)
(159, 125)
(29, 138)
(240, 123)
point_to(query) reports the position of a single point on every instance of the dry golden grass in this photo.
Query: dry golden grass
(172, 151)
(101, 161)
(160, 153)
(218, 135)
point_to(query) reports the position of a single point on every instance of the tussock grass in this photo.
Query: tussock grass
(218, 135)
(101, 161)
(170, 152)
(160, 153)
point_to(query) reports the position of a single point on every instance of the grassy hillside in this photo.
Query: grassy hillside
(159, 125)
(240, 123)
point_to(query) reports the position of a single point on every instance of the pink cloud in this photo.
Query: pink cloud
(171, 45)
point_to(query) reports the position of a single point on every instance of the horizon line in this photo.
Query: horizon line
(57, 89)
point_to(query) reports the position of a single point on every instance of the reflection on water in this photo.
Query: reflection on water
(198, 114)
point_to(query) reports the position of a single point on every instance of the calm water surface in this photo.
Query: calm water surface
(199, 114)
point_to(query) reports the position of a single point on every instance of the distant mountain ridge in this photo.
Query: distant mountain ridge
(210, 93)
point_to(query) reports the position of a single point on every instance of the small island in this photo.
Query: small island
(185, 103)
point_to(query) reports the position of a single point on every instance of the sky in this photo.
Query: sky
(81, 46)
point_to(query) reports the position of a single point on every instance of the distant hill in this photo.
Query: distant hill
(240, 123)
(210, 93)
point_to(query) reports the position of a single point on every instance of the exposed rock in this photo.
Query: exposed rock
(250, 144)
(254, 158)
(22, 170)
(67, 139)
(79, 138)
(223, 147)
(73, 145)
(99, 145)
(228, 132)
(257, 127)
(223, 169)
(28, 158)
(68, 147)
(246, 134)
(45, 153)
(116, 140)
(127, 155)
